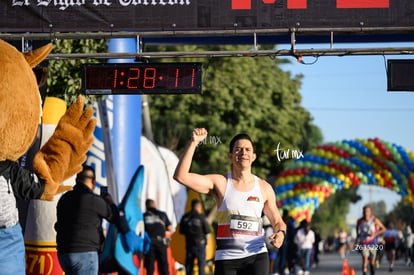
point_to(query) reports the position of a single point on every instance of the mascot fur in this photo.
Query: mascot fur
(60, 158)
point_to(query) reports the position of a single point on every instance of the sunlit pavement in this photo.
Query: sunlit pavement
(331, 263)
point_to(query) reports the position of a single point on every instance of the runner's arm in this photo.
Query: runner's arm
(199, 183)
(380, 227)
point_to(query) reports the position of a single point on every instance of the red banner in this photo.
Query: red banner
(303, 4)
(362, 4)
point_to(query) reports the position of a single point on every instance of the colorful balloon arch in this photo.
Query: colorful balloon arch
(306, 182)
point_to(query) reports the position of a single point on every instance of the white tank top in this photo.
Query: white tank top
(239, 232)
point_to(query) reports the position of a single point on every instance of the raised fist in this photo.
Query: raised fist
(199, 134)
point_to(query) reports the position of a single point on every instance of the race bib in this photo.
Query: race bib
(245, 224)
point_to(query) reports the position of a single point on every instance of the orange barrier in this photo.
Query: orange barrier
(347, 269)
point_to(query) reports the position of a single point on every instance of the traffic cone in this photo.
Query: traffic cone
(351, 271)
(345, 267)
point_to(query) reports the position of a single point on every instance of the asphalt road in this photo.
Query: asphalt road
(331, 264)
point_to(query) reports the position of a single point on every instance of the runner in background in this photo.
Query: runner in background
(369, 228)
(391, 242)
(342, 243)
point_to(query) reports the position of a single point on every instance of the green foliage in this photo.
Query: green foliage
(64, 79)
(379, 209)
(401, 215)
(244, 94)
(331, 215)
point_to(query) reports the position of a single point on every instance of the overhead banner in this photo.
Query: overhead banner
(186, 15)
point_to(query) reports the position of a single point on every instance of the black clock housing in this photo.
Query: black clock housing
(142, 78)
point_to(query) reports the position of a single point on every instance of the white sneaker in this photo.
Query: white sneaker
(299, 272)
(306, 273)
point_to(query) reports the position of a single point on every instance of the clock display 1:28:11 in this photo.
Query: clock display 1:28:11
(142, 78)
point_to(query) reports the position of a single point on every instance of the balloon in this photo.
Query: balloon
(306, 182)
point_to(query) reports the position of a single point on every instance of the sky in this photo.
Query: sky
(348, 99)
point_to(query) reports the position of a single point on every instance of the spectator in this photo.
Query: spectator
(156, 225)
(272, 251)
(409, 246)
(412, 240)
(281, 264)
(304, 238)
(292, 248)
(79, 230)
(315, 249)
(195, 227)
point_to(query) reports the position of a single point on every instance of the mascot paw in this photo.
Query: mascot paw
(48, 195)
(63, 154)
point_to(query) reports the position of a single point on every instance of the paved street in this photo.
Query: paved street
(331, 264)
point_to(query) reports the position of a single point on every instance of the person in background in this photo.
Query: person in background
(195, 227)
(304, 238)
(390, 237)
(281, 259)
(272, 251)
(409, 246)
(315, 250)
(79, 232)
(368, 230)
(342, 243)
(292, 247)
(156, 224)
(410, 240)
(241, 197)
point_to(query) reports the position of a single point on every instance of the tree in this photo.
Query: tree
(401, 215)
(65, 79)
(379, 209)
(331, 215)
(250, 94)
(243, 94)
(246, 94)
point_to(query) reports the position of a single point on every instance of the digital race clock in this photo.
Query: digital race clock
(142, 78)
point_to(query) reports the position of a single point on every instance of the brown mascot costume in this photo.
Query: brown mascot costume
(60, 158)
